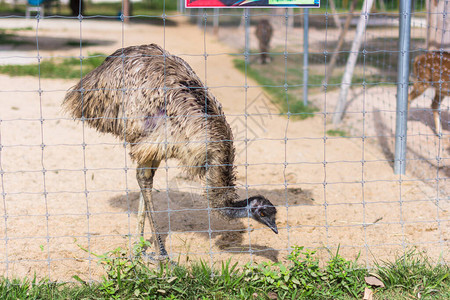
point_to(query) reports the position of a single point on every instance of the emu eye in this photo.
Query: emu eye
(262, 214)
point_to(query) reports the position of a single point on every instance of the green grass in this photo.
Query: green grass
(271, 78)
(303, 276)
(415, 271)
(83, 43)
(282, 79)
(28, 28)
(43, 289)
(67, 68)
(138, 8)
(334, 132)
(146, 7)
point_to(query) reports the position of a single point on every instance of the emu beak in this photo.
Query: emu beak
(272, 225)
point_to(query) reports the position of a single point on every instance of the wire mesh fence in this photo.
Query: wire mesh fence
(70, 192)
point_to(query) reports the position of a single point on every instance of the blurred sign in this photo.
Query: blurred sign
(251, 3)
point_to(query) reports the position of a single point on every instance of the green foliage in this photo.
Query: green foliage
(76, 43)
(414, 273)
(160, 5)
(129, 277)
(345, 277)
(336, 132)
(66, 68)
(303, 276)
(28, 28)
(43, 289)
(146, 7)
(272, 82)
(282, 79)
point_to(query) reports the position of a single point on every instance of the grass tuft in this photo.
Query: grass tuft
(67, 68)
(414, 274)
(76, 43)
(336, 132)
(12, 289)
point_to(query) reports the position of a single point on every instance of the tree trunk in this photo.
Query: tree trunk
(335, 15)
(77, 7)
(340, 43)
(383, 6)
(438, 27)
(351, 62)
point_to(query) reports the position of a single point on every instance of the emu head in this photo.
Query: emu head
(263, 211)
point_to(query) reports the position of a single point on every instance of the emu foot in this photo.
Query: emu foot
(152, 257)
(160, 260)
(140, 252)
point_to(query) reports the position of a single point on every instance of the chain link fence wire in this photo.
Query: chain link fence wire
(69, 192)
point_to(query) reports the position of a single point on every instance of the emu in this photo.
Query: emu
(432, 70)
(157, 105)
(264, 33)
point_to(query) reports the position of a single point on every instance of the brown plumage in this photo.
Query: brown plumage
(157, 104)
(432, 70)
(264, 33)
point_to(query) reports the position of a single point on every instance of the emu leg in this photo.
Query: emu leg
(435, 107)
(141, 215)
(144, 176)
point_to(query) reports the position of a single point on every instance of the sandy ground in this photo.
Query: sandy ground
(58, 196)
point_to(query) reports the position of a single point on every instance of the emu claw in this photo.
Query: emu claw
(155, 259)
(152, 257)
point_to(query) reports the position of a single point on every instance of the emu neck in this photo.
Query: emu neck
(220, 178)
(237, 209)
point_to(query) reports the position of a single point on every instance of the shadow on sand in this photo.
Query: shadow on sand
(189, 213)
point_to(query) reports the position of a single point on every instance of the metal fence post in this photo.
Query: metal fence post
(181, 6)
(201, 15)
(216, 21)
(305, 55)
(402, 87)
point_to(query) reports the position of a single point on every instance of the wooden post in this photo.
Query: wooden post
(216, 21)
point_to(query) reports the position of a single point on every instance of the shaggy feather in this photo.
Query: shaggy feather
(155, 102)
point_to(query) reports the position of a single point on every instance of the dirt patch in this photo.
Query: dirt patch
(330, 191)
